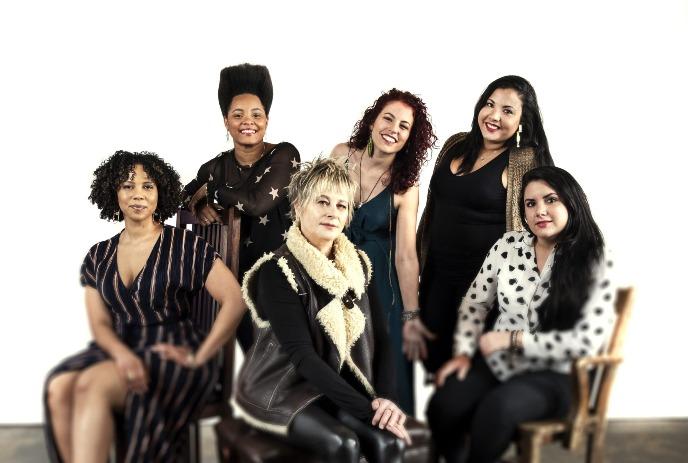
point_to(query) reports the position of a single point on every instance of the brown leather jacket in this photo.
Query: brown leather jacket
(269, 391)
(521, 160)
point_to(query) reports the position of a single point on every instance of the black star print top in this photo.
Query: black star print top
(509, 276)
(258, 191)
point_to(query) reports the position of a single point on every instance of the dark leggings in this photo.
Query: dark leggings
(489, 411)
(337, 436)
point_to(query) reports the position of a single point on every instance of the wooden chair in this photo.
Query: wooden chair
(593, 377)
(225, 239)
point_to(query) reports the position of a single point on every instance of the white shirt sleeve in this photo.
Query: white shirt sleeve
(589, 334)
(478, 301)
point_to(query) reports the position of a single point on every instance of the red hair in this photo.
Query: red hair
(407, 162)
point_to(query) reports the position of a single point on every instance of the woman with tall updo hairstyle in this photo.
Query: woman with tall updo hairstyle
(552, 287)
(384, 156)
(252, 176)
(147, 363)
(473, 200)
(320, 372)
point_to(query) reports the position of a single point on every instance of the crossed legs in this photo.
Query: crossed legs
(81, 406)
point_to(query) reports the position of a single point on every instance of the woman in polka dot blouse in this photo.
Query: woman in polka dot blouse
(553, 288)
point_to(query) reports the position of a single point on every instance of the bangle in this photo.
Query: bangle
(191, 360)
(515, 343)
(407, 315)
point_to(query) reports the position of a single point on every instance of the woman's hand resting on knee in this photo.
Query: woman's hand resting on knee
(389, 416)
(459, 364)
(132, 370)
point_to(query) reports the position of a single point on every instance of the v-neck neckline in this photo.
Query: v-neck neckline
(370, 200)
(145, 264)
(477, 170)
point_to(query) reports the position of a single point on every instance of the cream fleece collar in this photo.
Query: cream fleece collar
(346, 272)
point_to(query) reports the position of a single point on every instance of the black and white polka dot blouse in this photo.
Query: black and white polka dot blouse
(509, 275)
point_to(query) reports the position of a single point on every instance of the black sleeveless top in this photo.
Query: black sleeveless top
(469, 211)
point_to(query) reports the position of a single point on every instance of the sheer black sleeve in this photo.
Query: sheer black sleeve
(264, 187)
(201, 179)
(383, 360)
(283, 307)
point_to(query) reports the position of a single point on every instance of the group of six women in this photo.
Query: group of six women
(342, 293)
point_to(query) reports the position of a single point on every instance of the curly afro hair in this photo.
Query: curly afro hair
(116, 169)
(408, 162)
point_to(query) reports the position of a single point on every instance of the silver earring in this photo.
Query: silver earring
(118, 215)
(518, 136)
(228, 135)
(156, 216)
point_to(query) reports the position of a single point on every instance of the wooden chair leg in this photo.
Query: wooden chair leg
(595, 450)
(529, 448)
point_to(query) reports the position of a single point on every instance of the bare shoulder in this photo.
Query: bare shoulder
(408, 197)
(340, 152)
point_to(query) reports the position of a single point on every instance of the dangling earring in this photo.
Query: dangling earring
(518, 136)
(118, 215)
(156, 216)
(370, 147)
(228, 135)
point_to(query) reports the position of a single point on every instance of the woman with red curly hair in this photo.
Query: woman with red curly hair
(384, 156)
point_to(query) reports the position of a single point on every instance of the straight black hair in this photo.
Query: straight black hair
(532, 136)
(579, 247)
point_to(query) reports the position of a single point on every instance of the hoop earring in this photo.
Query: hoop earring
(518, 136)
(370, 147)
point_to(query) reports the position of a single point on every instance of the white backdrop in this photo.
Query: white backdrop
(80, 80)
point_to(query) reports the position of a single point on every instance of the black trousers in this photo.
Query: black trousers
(440, 296)
(337, 436)
(488, 411)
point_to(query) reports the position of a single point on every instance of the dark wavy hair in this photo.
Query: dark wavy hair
(532, 136)
(115, 170)
(580, 246)
(407, 162)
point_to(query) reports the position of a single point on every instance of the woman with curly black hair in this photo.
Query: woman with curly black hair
(147, 362)
(384, 156)
(251, 177)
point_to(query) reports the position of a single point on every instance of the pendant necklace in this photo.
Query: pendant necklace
(360, 185)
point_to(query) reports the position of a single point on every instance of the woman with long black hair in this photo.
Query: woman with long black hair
(553, 292)
(473, 200)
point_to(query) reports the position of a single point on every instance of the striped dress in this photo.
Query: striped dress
(154, 309)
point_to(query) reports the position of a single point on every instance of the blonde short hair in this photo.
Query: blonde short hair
(317, 176)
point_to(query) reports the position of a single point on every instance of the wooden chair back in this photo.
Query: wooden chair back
(224, 238)
(593, 377)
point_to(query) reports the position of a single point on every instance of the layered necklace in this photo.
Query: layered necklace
(361, 202)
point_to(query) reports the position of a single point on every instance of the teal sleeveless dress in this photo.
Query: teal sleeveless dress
(373, 229)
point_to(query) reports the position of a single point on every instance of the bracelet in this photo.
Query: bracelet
(515, 344)
(408, 315)
(191, 360)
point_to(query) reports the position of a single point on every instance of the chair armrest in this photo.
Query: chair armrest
(596, 360)
(579, 418)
